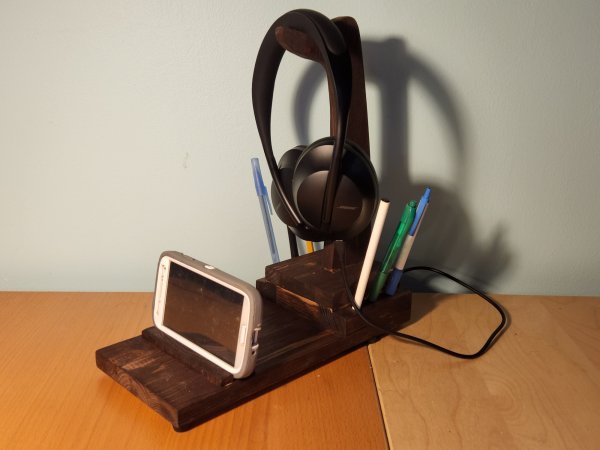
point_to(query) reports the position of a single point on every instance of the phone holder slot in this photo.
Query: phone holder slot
(170, 346)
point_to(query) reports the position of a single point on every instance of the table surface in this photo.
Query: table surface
(538, 387)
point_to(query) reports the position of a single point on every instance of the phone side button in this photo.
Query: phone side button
(243, 330)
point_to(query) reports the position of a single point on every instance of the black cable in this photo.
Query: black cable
(293, 243)
(409, 337)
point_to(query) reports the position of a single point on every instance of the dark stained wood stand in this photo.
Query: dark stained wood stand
(307, 319)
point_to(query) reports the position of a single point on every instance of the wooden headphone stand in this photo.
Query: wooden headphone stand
(307, 319)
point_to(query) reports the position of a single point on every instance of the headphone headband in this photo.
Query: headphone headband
(336, 62)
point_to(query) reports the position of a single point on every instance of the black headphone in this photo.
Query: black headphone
(327, 190)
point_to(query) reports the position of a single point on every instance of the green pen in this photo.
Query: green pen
(408, 216)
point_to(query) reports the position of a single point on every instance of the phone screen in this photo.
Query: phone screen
(203, 311)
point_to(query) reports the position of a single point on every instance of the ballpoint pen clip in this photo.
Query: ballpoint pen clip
(261, 189)
(258, 183)
(268, 202)
(423, 202)
(265, 205)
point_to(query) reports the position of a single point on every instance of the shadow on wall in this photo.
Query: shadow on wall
(446, 239)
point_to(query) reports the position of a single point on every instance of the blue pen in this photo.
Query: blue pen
(265, 208)
(420, 209)
(394, 278)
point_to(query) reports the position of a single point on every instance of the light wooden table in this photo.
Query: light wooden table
(53, 396)
(537, 388)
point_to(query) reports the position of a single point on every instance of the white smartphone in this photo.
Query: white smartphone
(209, 311)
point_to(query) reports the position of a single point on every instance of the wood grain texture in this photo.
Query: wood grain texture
(53, 396)
(538, 387)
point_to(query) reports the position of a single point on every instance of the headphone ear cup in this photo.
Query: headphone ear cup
(286, 166)
(356, 194)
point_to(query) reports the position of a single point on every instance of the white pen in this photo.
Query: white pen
(382, 211)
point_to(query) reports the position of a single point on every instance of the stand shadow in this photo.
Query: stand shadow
(446, 239)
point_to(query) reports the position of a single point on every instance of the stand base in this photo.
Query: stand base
(187, 390)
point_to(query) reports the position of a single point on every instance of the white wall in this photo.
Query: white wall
(126, 128)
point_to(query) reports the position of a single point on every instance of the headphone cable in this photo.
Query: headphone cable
(486, 346)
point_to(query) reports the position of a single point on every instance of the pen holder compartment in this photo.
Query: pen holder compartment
(312, 286)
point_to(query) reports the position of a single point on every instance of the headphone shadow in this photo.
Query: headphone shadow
(446, 239)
